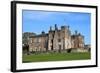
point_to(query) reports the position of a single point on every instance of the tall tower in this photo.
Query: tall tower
(66, 33)
(55, 39)
(50, 39)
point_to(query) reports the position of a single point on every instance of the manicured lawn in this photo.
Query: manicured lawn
(55, 57)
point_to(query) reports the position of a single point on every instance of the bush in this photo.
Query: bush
(69, 50)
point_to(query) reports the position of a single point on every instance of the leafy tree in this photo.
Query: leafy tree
(25, 37)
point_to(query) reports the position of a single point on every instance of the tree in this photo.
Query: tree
(25, 40)
(26, 36)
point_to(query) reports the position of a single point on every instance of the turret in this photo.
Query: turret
(50, 28)
(76, 32)
(56, 28)
(43, 32)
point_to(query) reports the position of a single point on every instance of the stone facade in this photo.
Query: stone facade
(77, 40)
(56, 40)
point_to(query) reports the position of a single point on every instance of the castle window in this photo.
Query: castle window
(59, 40)
(31, 41)
(52, 41)
(39, 40)
(59, 34)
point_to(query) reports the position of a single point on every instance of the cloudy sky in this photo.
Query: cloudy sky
(37, 21)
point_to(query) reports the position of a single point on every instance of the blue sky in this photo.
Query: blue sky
(38, 21)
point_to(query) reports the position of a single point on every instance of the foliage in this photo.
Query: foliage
(26, 36)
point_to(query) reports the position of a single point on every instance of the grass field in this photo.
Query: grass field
(55, 57)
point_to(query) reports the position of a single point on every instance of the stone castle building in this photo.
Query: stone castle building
(56, 40)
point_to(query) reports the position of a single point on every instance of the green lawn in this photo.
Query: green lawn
(55, 57)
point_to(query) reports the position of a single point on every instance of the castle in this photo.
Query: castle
(56, 40)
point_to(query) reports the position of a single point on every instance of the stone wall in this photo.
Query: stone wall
(56, 40)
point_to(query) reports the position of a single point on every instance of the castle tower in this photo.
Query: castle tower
(50, 39)
(78, 40)
(55, 39)
(66, 36)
